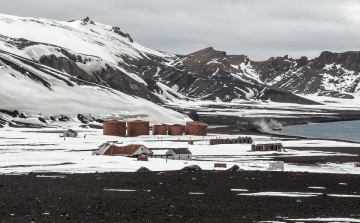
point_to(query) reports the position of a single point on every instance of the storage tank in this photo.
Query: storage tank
(196, 128)
(265, 148)
(159, 130)
(175, 130)
(137, 128)
(114, 128)
(242, 140)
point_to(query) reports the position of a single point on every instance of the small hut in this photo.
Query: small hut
(70, 133)
(179, 154)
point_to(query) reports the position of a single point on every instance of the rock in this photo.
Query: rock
(194, 178)
(143, 169)
(191, 168)
(41, 119)
(234, 168)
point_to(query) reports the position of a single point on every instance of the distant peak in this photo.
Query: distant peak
(209, 51)
(87, 20)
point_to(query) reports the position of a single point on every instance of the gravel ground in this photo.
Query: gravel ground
(166, 197)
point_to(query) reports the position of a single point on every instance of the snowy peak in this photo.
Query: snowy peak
(87, 21)
(105, 55)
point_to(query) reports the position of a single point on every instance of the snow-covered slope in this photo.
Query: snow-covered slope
(81, 66)
(32, 89)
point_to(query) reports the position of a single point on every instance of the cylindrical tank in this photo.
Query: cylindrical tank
(175, 130)
(190, 142)
(252, 147)
(114, 128)
(242, 140)
(196, 128)
(250, 140)
(265, 148)
(137, 128)
(246, 140)
(159, 130)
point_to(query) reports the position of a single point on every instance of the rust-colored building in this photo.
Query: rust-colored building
(220, 165)
(196, 128)
(137, 128)
(114, 128)
(159, 130)
(175, 130)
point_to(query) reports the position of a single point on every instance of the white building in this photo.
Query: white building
(179, 154)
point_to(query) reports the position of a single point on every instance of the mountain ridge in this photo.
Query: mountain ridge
(84, 50)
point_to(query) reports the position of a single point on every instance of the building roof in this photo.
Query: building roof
(122, 150)
(181, 151)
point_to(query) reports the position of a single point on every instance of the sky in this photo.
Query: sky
(259, 29)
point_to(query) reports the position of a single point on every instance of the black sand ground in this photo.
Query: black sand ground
(82, 198)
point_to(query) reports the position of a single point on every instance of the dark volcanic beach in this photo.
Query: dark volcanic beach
(168, 197)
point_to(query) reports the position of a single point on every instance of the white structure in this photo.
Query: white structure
(179, 154)
(277, 165)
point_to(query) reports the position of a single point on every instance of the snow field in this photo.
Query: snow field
(42, 150)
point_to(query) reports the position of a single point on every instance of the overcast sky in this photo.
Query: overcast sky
(257, 28)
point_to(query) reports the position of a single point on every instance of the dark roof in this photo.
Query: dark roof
(122, 150)
(181, 151)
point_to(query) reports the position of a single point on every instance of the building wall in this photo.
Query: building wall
(137, 128)
(114, 128)
(141, 150)
(179, 156)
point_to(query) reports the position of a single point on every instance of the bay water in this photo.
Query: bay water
(345, 130)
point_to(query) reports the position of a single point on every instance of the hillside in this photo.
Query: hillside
(82, 67)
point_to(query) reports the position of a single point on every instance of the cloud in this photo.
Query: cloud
(257, 28)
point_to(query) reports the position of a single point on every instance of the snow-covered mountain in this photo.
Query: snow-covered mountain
(81, 67)
(86, 79)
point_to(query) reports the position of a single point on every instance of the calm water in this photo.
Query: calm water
(349, 130)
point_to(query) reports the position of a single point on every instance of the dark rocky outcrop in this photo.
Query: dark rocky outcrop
(191, 168)
(142, 170)
(63, 118)
(13, 113)
(282, 96)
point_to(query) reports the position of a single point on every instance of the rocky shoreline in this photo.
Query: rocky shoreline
(176, 196)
